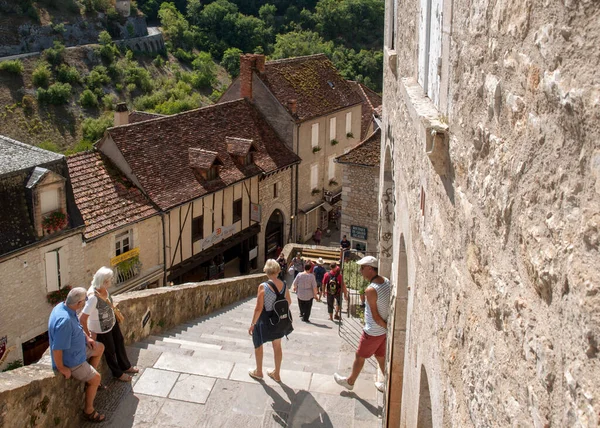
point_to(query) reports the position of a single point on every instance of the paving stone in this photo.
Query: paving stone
(292, 379)
(237, 397)
(142, 357)
(179, 414)
(185, 343)
(197, 366)
(194, 389)
(156, 382)
(366, 410)
(134, 410)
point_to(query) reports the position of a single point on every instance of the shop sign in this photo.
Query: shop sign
(218, 235)
(255, 212)
(253, 253)
(358, 232)
(125, 256)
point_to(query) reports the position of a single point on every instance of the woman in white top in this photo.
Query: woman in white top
(98, 321)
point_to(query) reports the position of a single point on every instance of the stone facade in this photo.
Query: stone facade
(24, 309)
(269, 203)
(360, 204)
(495, 180)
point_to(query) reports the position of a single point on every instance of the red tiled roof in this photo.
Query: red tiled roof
(105, 198)
(158, 150)
(366, 153)
(313, 81)
(203, 159)
(238, 146)
(371, 101)
(140, 116)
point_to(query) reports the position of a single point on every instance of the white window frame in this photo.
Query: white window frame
(119, 238)
(349, 123)
(332, 166)
(314, 135)
(332, 128)
(392, 23)
(52, 268)
(430, 48)
(314, 176)
(354, 241)
(49, 200)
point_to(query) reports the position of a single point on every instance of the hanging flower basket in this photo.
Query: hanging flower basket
(334, 142)
(315, 191)
(54, 221)
(332, 182)
(316, 149)
(58, 296)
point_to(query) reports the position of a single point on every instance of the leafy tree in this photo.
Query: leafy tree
(88, 99)
(174, 24)
(267, 13)
(300, 43)
(67, 74)
(41, 75)
(231, 61)
(57, 94)
(93, 129)
(55, 55)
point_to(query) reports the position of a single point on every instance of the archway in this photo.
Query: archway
(424, 416)
(274, 234)
(397, 341)
(386, 210)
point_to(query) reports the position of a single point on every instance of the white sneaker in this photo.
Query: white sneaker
(343, 381)
(380, 386)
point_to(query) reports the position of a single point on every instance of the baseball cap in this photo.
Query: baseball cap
(368, 261)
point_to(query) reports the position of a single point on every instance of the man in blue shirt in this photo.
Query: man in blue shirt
(70, 348)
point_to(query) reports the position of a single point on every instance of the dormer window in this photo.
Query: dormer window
(204, 163)
(48, 201)
(241, 150)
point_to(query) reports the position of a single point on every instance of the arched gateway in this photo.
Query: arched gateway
(274, 234)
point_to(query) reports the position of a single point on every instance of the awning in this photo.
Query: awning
(311, 207)
(327, 207)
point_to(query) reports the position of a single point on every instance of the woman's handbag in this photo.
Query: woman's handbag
(118, 314)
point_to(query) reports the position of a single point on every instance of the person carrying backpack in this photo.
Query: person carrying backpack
(267, 320)
(334, 286)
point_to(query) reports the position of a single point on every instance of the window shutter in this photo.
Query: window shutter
(348, 122)
(331, 167)
(314, 176)
(51, 260)
(332, 130)
(315, 135)
(49, 201)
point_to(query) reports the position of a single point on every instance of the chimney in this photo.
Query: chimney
(293, 106)
(249, 63)
(121, 114)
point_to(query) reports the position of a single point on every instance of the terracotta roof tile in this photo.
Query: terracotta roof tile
(313, 81)
(158, 150)
(140, 116)
(366, 153)
(105, 198)
(203, 159)
(239, 146)
(371, 101)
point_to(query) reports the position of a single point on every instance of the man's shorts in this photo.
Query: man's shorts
(371, 345)
(84, 371)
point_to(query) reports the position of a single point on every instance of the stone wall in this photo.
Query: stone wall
(502, 246)
(34, 396)
(360, 202)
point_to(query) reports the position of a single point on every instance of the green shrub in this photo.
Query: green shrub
(55, 55)
(97, 78)
(13, 365)
(93, 129)
(57, 94)
(130, 29)
(184, 56)
(41, 75)
(109, 101)
(88, 99)
(140, 76)
(59, 28)
(104, 38)
(15, 67)
(158, 61)
(67, 74)
(28, 103)
(49, 145)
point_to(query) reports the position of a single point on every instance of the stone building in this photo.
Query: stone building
(360, 194)
(40, 245)
(490, 150)
(203, 170)
(317, 114)
(123, 230)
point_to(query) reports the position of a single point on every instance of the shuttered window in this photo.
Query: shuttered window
(430, 48)
(315, 135)
(331, 167)
(314, 176)
(52, 262)
(49, 201)
(332, 129)
(349, 123)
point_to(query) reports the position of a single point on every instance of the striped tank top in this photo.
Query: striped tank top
(383, 307)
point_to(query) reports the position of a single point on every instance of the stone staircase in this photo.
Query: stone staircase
(196, 375)
(328, 254)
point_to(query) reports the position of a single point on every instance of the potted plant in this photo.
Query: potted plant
(332, 182)
(334, 142)
(349, 135)
(58, 296)
(316, 149)
(54, 221)
(315, 191)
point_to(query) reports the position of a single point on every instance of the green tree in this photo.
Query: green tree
(231, 61)
(57, 94)
(174, 24)
(15, 67)
(41, 75)
(88, 99)
(267, 13)
(300, 43)
(55, 55)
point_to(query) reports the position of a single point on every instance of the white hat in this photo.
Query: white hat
(320, 261)
(368, 261)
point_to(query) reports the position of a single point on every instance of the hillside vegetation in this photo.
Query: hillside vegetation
(63, 99)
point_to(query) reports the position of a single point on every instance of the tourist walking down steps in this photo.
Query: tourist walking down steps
(305, 287)
(372, 341)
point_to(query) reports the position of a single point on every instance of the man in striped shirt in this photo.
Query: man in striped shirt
(372, 341)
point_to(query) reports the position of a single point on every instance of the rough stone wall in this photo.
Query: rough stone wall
(34, 396)
(360, 201)
(269, 204)
(502, 262)
(24, 309)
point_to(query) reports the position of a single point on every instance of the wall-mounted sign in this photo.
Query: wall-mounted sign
(146, 319)
(358, 232)
(255, 211)
(125, 256)
(217, 236)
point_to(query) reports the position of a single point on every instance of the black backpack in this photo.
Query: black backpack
(333, 287)
(280, 318)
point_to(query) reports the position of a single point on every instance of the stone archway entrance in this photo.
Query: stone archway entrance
(274, 234)
(397, 341)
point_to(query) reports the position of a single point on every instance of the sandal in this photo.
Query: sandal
(133, 370)
(94, 416)
(125, 378)
(253, 375)
(272, 376)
